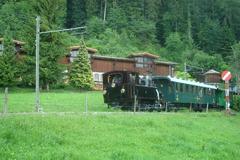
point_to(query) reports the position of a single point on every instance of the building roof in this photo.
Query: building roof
(129, 59)
(194, 83)
(212, 71)
(15, 41)
(18, 42)
(92, 50)
(165, 62)
(143, 54)
(113, 58)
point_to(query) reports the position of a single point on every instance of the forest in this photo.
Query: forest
(201, 33)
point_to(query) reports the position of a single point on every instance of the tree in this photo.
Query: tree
(236, 63)
(50, 68)
(184, 75)
(80, 72)
(175, 47)
(8, 67)
(76, 15)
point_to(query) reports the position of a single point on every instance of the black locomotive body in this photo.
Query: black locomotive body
(124, 88)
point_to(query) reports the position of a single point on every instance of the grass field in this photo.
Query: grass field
(113, 135)
(54, 101)
(120, 136)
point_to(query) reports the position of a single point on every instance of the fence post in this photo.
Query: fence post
(135, 103)
(5, 107)
(166, 109)
(86, 104)
(207, 107)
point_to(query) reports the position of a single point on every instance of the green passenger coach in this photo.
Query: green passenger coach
(181, 92)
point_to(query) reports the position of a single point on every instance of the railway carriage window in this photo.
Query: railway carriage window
(191, 89)
(178, 87)
(132, 78)
(115, 79)
(187, 88)
(194, 89)
(206, 91)
(209, 91)
(200, 91)
(197, 89)
(181, 87)
(169, 88)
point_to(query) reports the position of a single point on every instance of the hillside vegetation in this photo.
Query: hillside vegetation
(202, 33)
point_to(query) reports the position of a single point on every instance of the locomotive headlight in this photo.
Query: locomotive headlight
(122, 90)
(113, 85)
(104, 92)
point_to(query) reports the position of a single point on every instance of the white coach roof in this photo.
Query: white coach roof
(194, 83)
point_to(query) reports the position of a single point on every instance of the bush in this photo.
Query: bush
(236, 102)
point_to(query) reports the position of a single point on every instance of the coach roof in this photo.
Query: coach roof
(194, 83)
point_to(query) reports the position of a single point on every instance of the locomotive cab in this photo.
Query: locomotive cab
(121, 87)
(117, 87)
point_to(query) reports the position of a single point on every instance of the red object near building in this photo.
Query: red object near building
(226, 75)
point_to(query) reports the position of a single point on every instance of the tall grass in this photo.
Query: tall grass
(141, 136)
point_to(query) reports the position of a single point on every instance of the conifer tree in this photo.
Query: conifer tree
(80, 72)
(76, 13)
(8, 69)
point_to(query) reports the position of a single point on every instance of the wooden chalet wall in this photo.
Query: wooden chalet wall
(106, 64)
(212, 76)
(163, 70)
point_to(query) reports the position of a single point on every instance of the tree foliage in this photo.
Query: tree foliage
(198, 32)
(8, 68)
(80, 72)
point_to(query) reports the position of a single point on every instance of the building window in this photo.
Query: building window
(139, 61)
(73, 55)
(97, 76)
(142, 62)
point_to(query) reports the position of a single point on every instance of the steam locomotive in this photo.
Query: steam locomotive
(128, 89)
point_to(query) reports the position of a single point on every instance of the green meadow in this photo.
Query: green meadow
(23, 100)
(109, 134)
(120, 136)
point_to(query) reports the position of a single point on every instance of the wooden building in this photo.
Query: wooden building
(212, 77)
(143, 63)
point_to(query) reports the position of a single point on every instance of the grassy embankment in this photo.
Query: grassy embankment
(111, 136)
(120, 136)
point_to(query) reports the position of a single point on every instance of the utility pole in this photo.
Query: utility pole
(38, 33)
(37, 64)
